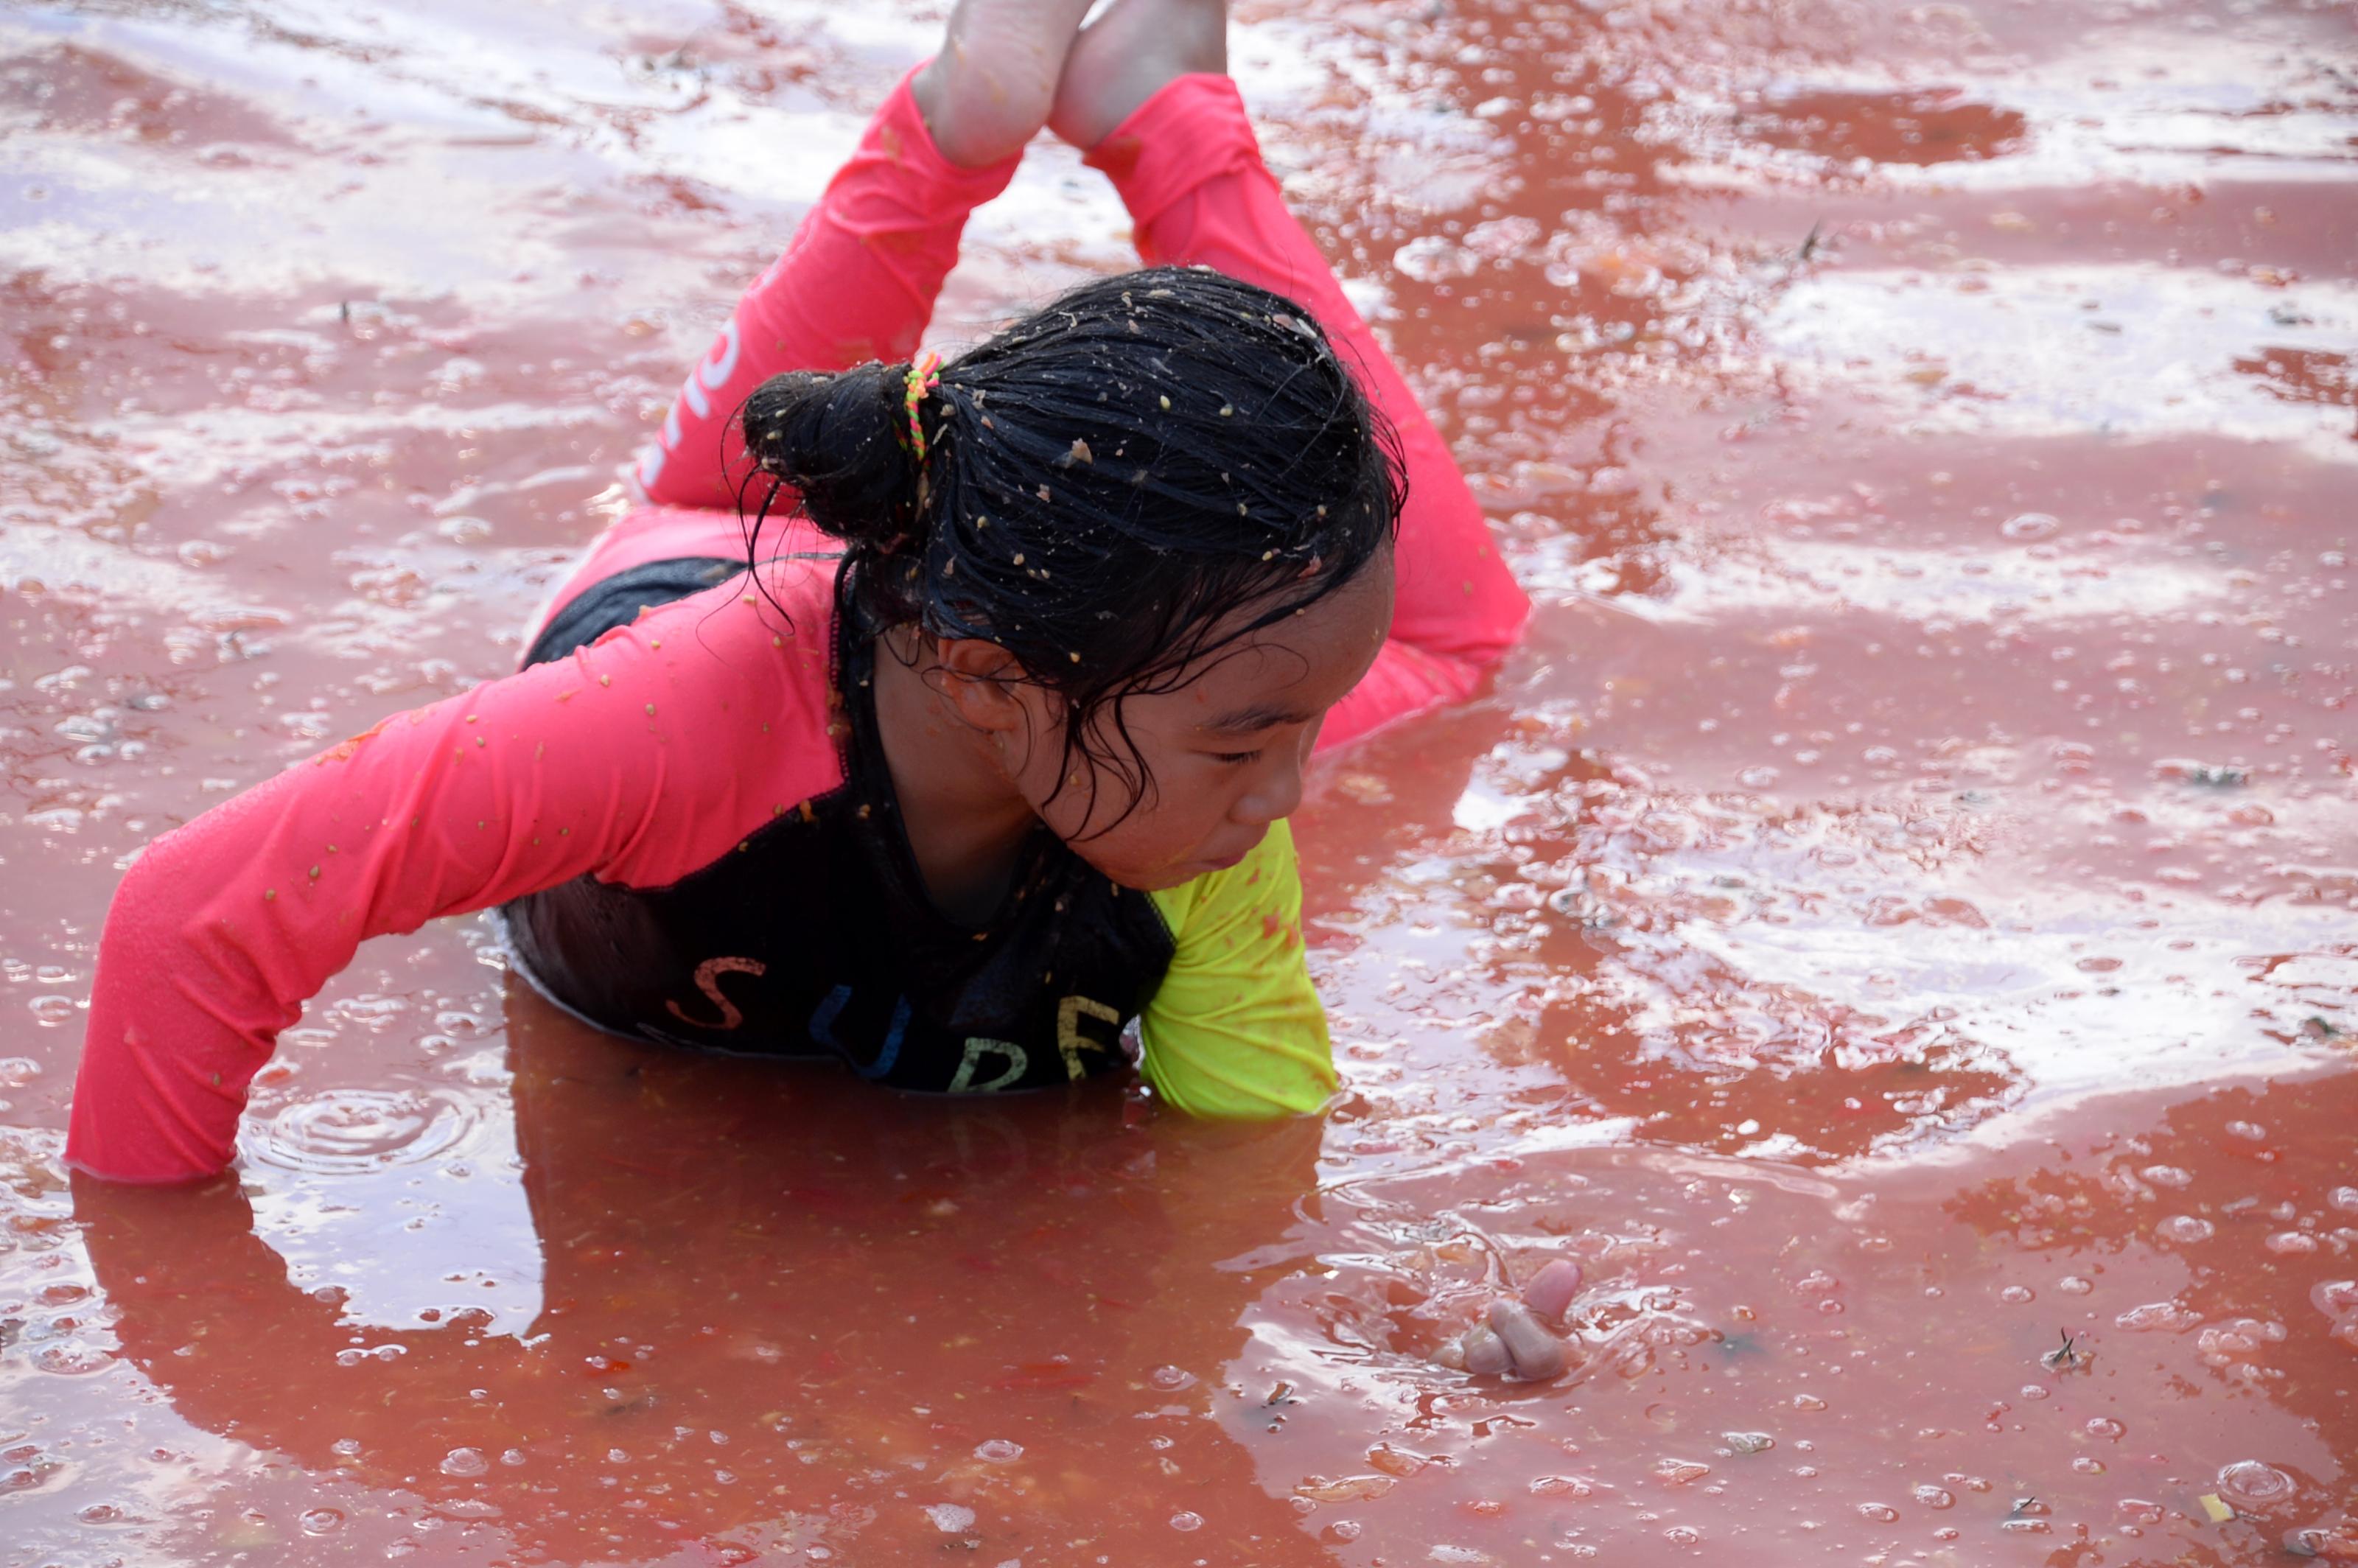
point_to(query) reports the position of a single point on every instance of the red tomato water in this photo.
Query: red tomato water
(1891, 926)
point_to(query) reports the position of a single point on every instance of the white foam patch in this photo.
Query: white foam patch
(2133, 352)
(2180, 1011)
(951, 1519)
(1918, 586)
(2167, 108)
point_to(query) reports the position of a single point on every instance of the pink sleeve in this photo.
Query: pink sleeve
(638, 758)
(857, 282)
(1190, 171)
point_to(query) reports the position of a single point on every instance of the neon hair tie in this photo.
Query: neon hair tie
(925, 375)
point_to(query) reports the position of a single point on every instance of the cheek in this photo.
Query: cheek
(1137, 847)
(1040, 762)
(1076, 794)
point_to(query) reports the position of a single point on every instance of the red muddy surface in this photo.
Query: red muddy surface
(1893, 919)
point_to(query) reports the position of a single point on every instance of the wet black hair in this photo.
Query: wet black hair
(1104, 483)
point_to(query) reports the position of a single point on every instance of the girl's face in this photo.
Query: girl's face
(1225, 750)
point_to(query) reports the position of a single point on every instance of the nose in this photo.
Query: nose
(1275, 790)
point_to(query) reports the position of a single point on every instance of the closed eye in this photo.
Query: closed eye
(1235, 758)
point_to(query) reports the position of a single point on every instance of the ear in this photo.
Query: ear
(980, 679)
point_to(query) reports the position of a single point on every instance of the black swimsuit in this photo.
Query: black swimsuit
(818, 938)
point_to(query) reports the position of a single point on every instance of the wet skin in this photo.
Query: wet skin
(1174, 784)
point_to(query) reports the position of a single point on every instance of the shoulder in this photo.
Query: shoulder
(1236, 1028)
(730, 694)
(759, 643)
(1255, 903)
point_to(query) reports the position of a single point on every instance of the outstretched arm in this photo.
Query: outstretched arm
(634, 760)
(1190, 171)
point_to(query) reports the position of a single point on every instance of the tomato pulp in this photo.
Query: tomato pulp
(1891, 924)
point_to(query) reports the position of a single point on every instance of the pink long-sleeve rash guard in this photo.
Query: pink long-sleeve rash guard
(690, 825)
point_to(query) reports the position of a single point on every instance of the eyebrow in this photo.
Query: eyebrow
(1261, 715)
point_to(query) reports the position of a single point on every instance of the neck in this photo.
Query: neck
(965, 819)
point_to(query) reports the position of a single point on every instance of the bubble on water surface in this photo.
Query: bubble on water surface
(1880, 1513)
(2289, 1241)
(2029, 526)
(2339, 1544)
(2221, 1343)
(2345, 1198)
(2168, 1175)
(1933, 1496)
(465, 1462)
(355, 1356)
(1560, 1486)
(71, 1358)
(1183, 1519)
(2105, 1427)
(338, 1131)
(2159, 1318)
(999, 1451)
(1169, 1380)
(2249, 1481)
(2185, 1229)
(320, 1522)
(1748, 1441)
(25, 1473)
(951, 1519)
(2075, 1285)
(1429, 258)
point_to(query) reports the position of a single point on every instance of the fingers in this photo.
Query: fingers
(1533, 1353)
(1550, 1290)
(1514, 1340)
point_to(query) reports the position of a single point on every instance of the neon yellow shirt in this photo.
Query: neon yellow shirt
(1236, 1028)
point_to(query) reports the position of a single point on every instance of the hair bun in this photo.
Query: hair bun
(834, 438)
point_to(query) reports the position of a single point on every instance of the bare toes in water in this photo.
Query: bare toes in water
(989, 91)
(1124, 57)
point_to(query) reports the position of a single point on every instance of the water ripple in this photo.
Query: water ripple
(338, 1131)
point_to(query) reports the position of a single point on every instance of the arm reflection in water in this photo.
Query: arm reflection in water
(801, 1310)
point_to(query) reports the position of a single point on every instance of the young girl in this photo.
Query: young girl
(943, 718)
